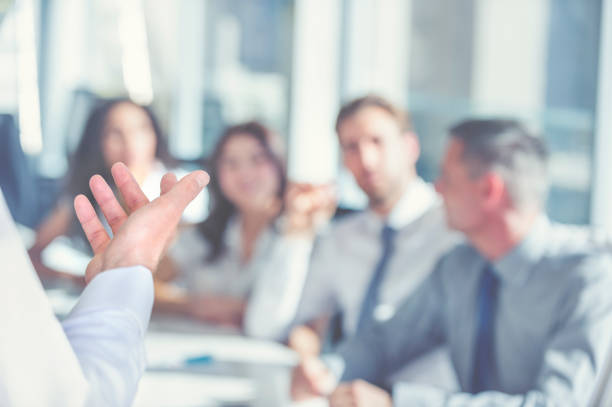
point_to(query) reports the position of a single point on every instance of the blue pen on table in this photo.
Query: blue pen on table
(198, 360)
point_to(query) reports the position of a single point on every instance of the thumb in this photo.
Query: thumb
(305, 341)
(167, 182)
(321, 379)
(184, 191)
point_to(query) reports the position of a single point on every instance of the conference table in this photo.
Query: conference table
(191, 364)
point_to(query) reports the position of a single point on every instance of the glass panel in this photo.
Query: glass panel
(248, 64)
(470, 58)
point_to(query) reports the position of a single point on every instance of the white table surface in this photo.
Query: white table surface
(243, 371)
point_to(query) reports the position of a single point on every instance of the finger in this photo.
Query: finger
(183, 192)
(305, 341)
(95, 232)
(342, 396)
(350, 402)
(167, 182)
(113, 212)
(130, 190)
(93, 268)
(331, 189)
(321, 379)
(327, 194)
(300, 386)
(294, 190)
(300, 199)
(343, 390)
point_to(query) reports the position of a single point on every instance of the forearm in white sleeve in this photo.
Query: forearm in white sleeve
(275, 297)
(106, 331)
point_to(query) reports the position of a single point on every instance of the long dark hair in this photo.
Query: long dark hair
(88, 158)
(213, 228)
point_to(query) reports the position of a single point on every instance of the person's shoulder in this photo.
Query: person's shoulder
(434, 220)
(581, 253)
(457, 265)
(576, 241)
(460, 252)
(461, 256)
(346, 221)
(577, 268)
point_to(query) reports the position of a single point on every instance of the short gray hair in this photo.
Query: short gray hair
(507, 148)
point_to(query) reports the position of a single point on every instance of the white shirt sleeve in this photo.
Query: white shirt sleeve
(274, 300)
(106, 331)
(95, 359)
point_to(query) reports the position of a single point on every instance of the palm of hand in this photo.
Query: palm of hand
(141, 237)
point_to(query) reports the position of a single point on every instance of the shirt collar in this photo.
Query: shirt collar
(416, 200)
(516, 266)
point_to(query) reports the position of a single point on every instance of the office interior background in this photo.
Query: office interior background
(204, 64)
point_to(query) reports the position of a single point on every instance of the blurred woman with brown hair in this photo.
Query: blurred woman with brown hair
(218, 261)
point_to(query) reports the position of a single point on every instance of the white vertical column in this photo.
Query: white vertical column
(377, 60)
(601, 202)
(186, 139)
(509, 65)
(65, 70)
(27, 79)
(8, 62)
(360, 43)
(135, 51)
(378, 51)
(313, 151)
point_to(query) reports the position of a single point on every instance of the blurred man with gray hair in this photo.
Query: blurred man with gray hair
(524, 306)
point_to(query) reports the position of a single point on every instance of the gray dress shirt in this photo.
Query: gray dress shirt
(336, 275)
(553, 324)
(344, 260)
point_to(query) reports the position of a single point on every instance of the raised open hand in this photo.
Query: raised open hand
(140, 237)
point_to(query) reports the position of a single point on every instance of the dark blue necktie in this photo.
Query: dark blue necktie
(371, 298)
(484, 352)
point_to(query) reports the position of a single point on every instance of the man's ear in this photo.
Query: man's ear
(493, 190)
(413, 147)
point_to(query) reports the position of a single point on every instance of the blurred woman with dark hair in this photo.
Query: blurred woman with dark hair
(219, 260)
(116, 130)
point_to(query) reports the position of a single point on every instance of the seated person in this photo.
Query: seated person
(217, 262)
(524, 306)
(363, 265)
(116, 130)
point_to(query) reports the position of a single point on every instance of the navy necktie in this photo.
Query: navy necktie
(484, 351)
(371, 298)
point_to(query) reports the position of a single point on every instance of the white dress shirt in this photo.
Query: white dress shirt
(342, 263)
(94, 358)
